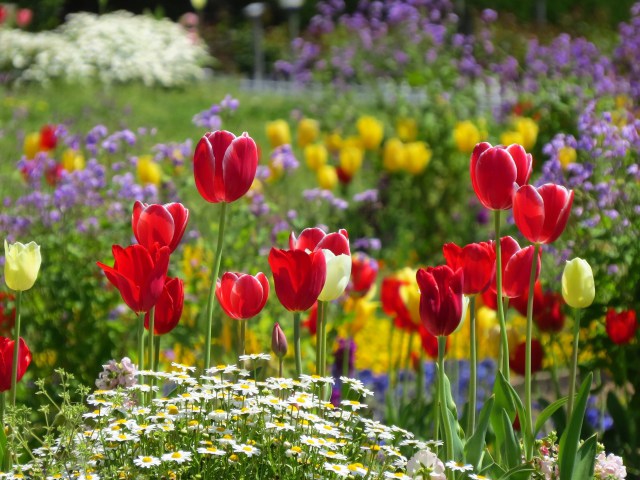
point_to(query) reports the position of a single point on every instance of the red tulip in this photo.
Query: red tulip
(3, 14)
(53, 173)
(7, 313)
(6, 361)
(477, 261)
(516, 267)
(278, 341)
(547, 308)
(224, 166)
(541, 214)
(169, 307)
(440, 299)
(518, 358)
(298, 277)
(393, 305)
(622, 326)
(23, 17)
(429, 342)
(314, 239)
(364, 271)
(497, 172)
(311, 322)
(48, 138)
(159, 225)
(242, 296)
(139, 275)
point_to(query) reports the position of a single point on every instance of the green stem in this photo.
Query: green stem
(16, 349)
(320, 336)
(243, 336)
(323, 352)
(214, 280)
(280, 362)
(156, 357)
(528, 441)
(392, 331)
(554, 366)
(504, 341)
(3, 403)
(152, 325)
(473, 367)
(141, 346)
(296, 343)
(442, 399)
(407, 362)
(574, 364)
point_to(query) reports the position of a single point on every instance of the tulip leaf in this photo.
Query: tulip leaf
(568, 448)
(503, 402)
(547, 413)
(474, 447)
(522, 471)
(458, 447)
(586, 458)
(512, 456)
(4, 451)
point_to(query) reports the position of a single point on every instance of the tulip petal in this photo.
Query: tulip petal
(155, 225)
(452, 253)
(239, 166)
(337, 242)
(478, 150)
(523, 161)
(557, 205)
(495, 176)
(308, 240)
(529, 210)
(518, 271)
(180, 216)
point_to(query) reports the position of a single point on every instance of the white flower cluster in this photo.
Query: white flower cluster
(112, 48)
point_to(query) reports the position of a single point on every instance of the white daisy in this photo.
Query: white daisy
(146, 461)
(340, 470)
(178, 457)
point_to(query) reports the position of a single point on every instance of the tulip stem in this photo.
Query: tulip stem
(473, 367)
(323, 354)
(407, 363)
(214, 280)
(243, 334)
(141, 346)
(152, 326)
(528, 428)
(320, 337)
(280, 362)
(442, 399)
(16, 350)
(574, 363)
(296, 343)
(504, 341)
(156, 357)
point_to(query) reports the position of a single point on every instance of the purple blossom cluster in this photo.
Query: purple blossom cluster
(211, 118)
(324, 196)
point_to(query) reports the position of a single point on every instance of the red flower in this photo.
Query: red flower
(518, 358)
(224, 166)
(343, 176)
(477, 261)
(429, 342)
(622, 326)
(314, 239)
(393, 305)
(547, 308)
(541, 214)
(23, 17)
(364, 271)
(440, 299)
(6, 361)
(138, 274)
(242, 296)
(311, 321)
(497, 172)
(48, 138)
(169, 307)
(7, 314)
(516, 267)
(298, 277)
(53, 173)
(159, 225)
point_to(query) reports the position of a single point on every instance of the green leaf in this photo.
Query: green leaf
(4, 451)
(568, 448)
(547, 413)
(519, 472)
(586, 458)
(512, 454)
(503, 401)
(474, 447)
(458, 447)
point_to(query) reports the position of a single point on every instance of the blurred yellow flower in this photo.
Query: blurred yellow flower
(327, 177)
(308, 131)
(370, 131)
(333, 141)
(407, 129)
(528, 128)
(567, 155)
(278, 133)
(72, 160)
(31, 145)
(363, 309)
(45, 358)
(315, 156)
(393, 155)
(466, 135)
(351, 159)
(410, 293)
(148, 170)
(417, 157)
(508, 138)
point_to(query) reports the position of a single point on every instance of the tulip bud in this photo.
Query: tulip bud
(308, 131)
(278, 341)
(578, 288)
(22, 264)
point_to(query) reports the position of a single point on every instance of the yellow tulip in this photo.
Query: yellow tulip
(308, 131)
(370, 131)
(31, 145)
(407, 129)
(148, 170)
(327, 177)
(72, 160)
(393, 155)
(578, 287)
(278, 133)
(567, 155)
(333, 141)
(528, 128)
(21, 265)
(508, 138)
(315, 156)
(466, 136)
(418, 156)
(410, 293)
(351, 160)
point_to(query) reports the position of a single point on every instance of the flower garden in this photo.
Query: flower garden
(418, 260)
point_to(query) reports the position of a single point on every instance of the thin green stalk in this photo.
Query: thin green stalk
(574, 363)
(318, 342)
(152, 325)
(3, 403)
(420, 378)
(16, 349)
(442, 399)
(241, 344)
(473, 367)
(407, 362)
(296, 343)
(156, 357)
(214, 279)
(141, 345)
(528, 442)
(554, 366)
(280, 362)
(504, 341)
(323, 346)
(392, 331)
